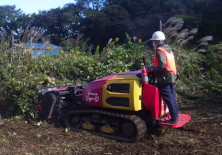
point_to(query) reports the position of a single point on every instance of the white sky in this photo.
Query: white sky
(33, 6)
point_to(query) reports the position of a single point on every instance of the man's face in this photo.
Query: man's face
(155, 43)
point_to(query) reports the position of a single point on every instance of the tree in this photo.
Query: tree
(145, 14)
(11, 18)
(51, 23)
(60, 23)
(111, 22)
(211, 19)
(91, 4)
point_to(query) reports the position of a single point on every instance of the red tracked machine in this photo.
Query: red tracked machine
(121, 106)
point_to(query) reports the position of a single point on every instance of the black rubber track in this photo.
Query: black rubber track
(138, 123)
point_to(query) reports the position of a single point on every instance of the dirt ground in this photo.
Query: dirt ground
(203, 135)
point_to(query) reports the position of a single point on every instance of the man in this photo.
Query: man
(165, 71)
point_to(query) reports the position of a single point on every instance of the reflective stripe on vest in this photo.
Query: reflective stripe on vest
(170, 62)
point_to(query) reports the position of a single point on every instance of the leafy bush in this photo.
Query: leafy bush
(201, 75)
(22, 76)
(200, 68)
(213, 70)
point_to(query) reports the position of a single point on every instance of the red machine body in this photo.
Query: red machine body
(119, 106)
(93, 93)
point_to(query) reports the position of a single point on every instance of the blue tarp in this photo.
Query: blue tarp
(43, 49)
(41, 46)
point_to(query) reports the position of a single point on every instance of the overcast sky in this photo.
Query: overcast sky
(33, 6)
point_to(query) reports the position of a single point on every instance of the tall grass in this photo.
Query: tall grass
(180, 36)
(193, 57)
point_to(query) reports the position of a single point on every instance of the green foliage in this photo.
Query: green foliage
(189, 65)
(201, 73)
(22, 76)
(75, 44)
(99, 20)
(110, 22)
(210, 16)
(11, 18)
(92, 4)
(214, 60)
(213, 69)
(124, 57)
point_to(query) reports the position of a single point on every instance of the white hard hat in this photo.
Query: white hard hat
(158, 35)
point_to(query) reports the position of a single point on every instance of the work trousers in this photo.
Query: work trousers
(167, 91)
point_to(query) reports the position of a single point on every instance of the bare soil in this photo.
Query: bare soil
(203, 135)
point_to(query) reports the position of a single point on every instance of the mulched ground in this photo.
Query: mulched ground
(203, 135)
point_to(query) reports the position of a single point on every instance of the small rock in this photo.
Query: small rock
(2, 123)
(107, 153)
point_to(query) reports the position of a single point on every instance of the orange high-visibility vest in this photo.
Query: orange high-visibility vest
(170, 61)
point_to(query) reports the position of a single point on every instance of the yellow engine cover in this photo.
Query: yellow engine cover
(123, 92)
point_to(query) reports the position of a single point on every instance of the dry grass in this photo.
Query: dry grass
(173, 28)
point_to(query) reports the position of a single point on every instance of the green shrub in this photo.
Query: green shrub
(22, 76)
